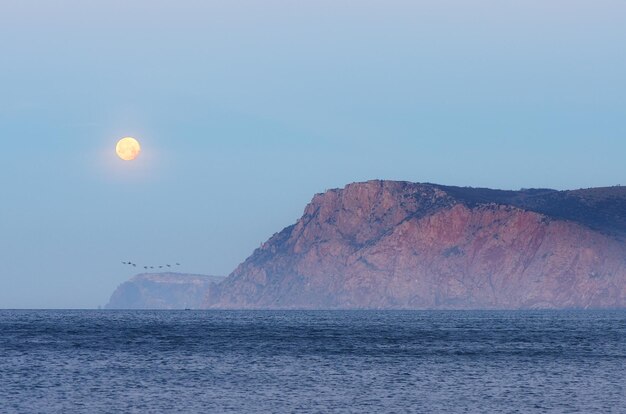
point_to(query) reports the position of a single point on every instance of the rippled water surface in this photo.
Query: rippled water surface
(293, 361)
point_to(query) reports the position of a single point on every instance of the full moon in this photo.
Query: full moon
(128, 148)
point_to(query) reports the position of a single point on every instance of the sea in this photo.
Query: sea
(103, 361)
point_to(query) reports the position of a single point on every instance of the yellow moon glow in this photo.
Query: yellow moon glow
(128, 148)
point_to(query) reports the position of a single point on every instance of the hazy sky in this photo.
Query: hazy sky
(245, 109)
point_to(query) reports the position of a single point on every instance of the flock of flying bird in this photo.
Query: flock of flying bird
(129, 263)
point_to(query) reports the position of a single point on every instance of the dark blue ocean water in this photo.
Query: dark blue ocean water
(312, 362)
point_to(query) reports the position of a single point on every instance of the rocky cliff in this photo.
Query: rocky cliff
(385, 244)
(162, 291)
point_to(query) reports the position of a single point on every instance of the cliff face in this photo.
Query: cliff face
(383, 244)
(162, 291)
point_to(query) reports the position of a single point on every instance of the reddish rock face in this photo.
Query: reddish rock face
(384, 244)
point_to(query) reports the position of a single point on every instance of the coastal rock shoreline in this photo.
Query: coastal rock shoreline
(401, 245)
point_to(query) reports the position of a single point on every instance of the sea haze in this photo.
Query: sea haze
(312, 361)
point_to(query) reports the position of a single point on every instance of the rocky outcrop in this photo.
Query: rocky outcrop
(385, 244)
(163, 291)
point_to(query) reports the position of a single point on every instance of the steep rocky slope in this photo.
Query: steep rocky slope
(385, 244)
(162, 291)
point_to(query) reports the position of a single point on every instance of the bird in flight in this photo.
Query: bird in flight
(129, 263)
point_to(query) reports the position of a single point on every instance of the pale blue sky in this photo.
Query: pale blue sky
(246, 109)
